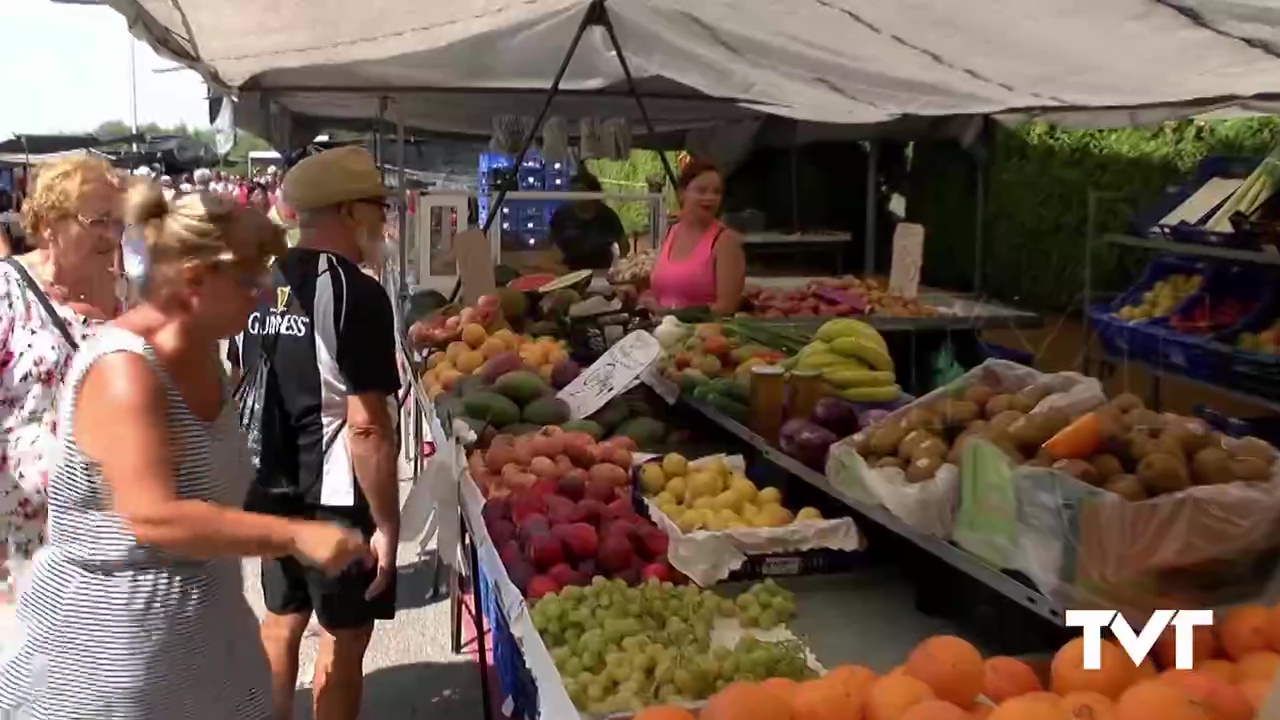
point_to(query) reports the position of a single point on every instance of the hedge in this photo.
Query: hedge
(1036, 213)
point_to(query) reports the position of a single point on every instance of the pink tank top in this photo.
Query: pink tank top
(691, 280)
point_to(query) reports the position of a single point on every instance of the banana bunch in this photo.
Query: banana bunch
(853, 359)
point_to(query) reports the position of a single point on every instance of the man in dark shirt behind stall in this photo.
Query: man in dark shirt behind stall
(328, 435)
(587, 231)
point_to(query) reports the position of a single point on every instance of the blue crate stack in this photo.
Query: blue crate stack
(524, 223)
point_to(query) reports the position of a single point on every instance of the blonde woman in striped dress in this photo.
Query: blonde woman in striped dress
(135, 608)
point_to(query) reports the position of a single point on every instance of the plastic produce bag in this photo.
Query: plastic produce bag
(590, 144)
(931, 506)
(555, 139)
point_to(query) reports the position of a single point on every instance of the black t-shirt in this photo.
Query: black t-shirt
(587, 243)
(331, 333)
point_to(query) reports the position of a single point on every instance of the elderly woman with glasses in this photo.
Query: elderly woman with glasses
(51, 299)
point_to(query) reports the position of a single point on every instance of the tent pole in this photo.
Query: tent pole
(632, 90)
(872, 197)
(496, 209)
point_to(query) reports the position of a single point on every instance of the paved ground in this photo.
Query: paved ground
(410, 672)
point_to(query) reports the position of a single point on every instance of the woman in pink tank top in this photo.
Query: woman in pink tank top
(701, 260)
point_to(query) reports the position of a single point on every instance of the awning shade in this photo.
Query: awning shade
(846, 62)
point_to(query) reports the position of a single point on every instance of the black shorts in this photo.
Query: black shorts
(289, 587)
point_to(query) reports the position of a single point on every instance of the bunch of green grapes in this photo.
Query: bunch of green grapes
(621, 648)
(766, 605)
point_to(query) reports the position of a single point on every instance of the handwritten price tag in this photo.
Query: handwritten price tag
(617, 370)
(908, 259)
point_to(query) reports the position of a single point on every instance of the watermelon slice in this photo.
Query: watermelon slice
(530, 283)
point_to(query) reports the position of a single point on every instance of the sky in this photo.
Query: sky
(66, 69)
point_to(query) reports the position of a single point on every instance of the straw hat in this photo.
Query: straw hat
(332, 177)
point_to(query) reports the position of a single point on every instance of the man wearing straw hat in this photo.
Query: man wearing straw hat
(327, 429)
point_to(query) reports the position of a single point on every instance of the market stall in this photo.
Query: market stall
(333, 77)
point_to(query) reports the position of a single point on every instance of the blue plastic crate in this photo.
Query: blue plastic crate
(1136, 339)
(1205, 357)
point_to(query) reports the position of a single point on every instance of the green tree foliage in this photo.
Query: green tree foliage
(632, 176)
(1036, 210)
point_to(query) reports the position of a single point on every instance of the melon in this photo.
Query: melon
(1244, 630)
(665, 712)
(1158, 700)
(823, 700)
(891, 696)
(936, 710)
(1224, 700)
(1087, 705)
(1033, 706)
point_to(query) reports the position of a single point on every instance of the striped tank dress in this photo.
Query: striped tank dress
(114, 630)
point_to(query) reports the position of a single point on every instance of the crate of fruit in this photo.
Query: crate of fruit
(909, 461)
(1123, 325)
(1231, 298)
(1255, 353)
(1131, 509)
(720, 524)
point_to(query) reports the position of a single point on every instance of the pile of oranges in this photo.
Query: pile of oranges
(946, 678)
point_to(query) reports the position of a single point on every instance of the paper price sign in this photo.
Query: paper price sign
(617, 370)
(908, 259)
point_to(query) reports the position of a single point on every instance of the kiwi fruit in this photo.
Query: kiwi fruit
(957, 413)
(957, 447)
(1161, 473)
(885, 439)
(1127, 402)
(889, 462)
(1211, 466)
(1126, 486)
(1107, 466)
(932, 447)
(1026, 432)
(998, 404)
(1252, 447)
(923, 469)
(1004, 420)
(977, 426)
(1250, 469)
(979, 395)
(1078, 469)
(907, 448)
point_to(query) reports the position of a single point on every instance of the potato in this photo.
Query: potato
(1144, 419)
(885, 439)
(913, 439)
(1194, 435)
(1162, 473)
(1126, 402)
(955, 413)
(862, 443)
(922, 419)
(932, 447)
(1004, 420)
(1211, 466)
(1079, 469)
(923, 469)
(1252, 447)
(889, 462)
(997, 405)
(979, 395)
(1025, 432)
(1035, 393)
(1250, 469)
(1107, 466)
(1022, 403)
(1127, 487)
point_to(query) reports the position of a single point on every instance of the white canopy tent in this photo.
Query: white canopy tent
(831, 64)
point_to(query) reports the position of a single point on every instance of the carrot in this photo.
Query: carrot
(1078, 440)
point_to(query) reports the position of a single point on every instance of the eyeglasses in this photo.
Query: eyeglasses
(101, 223)
(376, 202)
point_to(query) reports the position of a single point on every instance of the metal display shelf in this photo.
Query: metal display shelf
(1156, 374)
(969, 564)
(1260, 257)
(957, 314)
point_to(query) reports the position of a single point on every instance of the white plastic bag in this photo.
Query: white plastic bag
(707, 557)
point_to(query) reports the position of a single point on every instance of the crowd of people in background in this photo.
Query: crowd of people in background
(128, 492)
